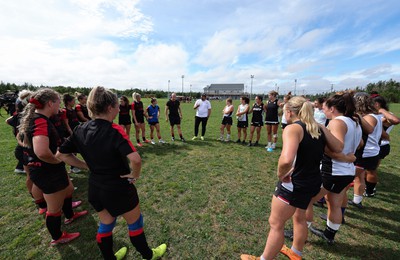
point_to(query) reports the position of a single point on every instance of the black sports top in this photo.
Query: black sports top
(173, 107)
(72, 117)
(138, 108)
(41, 125)
(257, 112)
(104, 146)
(272, 111)
(84, 111)
(306, 172)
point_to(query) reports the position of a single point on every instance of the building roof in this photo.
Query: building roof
(232, 86)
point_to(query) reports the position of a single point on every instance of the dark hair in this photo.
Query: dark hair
(321, 100)
(259, 97)
(246, 99)
(79, 96)
(344, 103)
(67, 98)
(153, 99)
(125, 99)
(99, 99)
(382, 102)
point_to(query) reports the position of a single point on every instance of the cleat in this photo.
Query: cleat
(256, 143)
(370, 195)
(146, 141)
(321, 234)
(19, 171)
(161, 141)
(288, 233)
(202, 138)
(152, 141)
(238, 141)
(76, 215)
(65, 238)
(42, 211)
(183, 139)
(220, 139)
(357, 205)
(172, 139)
(194, 138)
(273, 146)
(249, 257)
(244, 142)
(120, 254)
(289, 253)
(76, 204)
(159, 251)
(140, 144)
(270, 149)
(227, 140)
(250, 144)
(75, 170)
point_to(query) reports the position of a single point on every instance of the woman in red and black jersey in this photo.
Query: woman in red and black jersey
(124, 118)
(70, 118)
(81, 108)
(46, 171)
(105, 147)
(138, 115)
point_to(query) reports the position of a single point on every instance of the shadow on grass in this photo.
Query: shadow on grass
(360, 252)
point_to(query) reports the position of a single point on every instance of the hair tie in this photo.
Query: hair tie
(36, 102)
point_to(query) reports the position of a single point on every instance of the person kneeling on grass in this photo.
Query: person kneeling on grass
(299, 176)
(105, 147)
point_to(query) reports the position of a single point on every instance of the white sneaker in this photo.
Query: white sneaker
(172, 139)
(273, 146)
(19, 171)
(221, 139)
(161, 141)
(202, 138)
(152, 141)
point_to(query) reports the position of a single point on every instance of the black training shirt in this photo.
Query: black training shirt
(104, 146)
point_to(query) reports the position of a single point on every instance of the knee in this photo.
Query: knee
(276, 223)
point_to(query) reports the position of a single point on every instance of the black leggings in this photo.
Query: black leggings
(197, 121)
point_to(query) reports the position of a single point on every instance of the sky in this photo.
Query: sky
(307, 47)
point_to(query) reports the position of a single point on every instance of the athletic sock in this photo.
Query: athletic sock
(309, 223)
(370, 186)
(67, 208)
(53, 224)
(144, 138)
(104, 240)
(138, 238)
(138, 141)
(173, 136)
(181, 136)
(41, 203)
(299, 253)
(357, 198)
(331, 229)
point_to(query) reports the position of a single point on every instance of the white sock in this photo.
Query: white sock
(228, 136)
(262, 258)
(299, 253)
(309, 224)
(357, 198)
(269, 143)
(332, 225)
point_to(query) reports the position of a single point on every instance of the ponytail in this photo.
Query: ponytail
(23, 127)
(306, 115)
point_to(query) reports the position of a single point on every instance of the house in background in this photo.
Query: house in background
(223, 91)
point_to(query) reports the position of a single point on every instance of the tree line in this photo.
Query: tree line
(390, 90)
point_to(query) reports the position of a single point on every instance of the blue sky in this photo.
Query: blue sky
(144, 44)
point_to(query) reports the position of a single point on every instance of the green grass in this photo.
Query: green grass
(205, 199)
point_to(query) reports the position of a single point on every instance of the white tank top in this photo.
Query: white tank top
(227, 108)
(372, 148)
(383, 141)
(352, 139)
(242, 108)
(284, 121)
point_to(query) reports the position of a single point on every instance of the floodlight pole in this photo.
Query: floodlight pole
(251, 86)
(183, 76)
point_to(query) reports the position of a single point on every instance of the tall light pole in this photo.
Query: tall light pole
(295, 83)
(168, 87)
(183, 76)
(251, 86)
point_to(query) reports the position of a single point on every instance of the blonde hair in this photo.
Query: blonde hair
(304, 111)
(135, 95)
(38, 99)
(99, 99)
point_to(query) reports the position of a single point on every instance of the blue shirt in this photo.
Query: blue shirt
(152, 112)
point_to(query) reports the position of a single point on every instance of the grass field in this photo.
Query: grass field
(205, 199)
